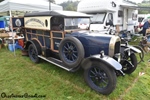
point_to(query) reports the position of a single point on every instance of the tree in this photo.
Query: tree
(70, 5)
(52, 1)
(145, 3)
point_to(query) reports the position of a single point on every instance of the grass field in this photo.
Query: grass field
(18, 75)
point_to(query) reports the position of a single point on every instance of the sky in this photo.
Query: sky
(60, 1)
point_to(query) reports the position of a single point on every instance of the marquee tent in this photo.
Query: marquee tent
(27, 5)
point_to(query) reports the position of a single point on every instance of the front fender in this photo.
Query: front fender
(110, 62)
(132, 48)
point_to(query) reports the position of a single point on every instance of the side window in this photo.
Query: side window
(57, 23)
(134, 16)
(120, 13)
(109, 19)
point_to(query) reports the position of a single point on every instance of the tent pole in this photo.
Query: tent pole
(10, 13)
(49, 5)
(11, 27)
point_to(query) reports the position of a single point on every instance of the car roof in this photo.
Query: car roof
(58, 13)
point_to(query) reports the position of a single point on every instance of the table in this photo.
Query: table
(10, 36)
(18, 41)
(16, 38)
(4, 35)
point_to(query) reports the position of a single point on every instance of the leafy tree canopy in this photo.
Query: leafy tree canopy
(145, 3)
(52, 1)
(70, 5)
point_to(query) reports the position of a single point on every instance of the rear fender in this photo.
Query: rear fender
(108, 61)
(36, 44)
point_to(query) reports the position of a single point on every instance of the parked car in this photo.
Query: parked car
(84, 23)
(54, 36)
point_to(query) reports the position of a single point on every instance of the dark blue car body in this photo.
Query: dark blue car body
(50, 37)
(93, 42)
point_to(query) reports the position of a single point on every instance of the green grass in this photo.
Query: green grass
(18, 75)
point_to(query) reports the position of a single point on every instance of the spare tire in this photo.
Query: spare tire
(71, 52)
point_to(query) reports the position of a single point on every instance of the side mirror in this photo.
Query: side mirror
(109, 23)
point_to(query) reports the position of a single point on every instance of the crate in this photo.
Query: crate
(147, 31)
(11, 47)
(2, 24)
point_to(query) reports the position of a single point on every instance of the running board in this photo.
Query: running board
(55, 62)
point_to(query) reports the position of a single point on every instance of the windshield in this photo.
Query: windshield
(98, 18)
(72, 23)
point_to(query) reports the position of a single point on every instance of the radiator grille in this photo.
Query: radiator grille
(117, 47)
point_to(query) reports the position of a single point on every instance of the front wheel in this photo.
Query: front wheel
(100, 78)
(127, 68)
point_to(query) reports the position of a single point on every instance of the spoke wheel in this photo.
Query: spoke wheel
(100, 77)
(33, 54)
(127, 68)
(71, 52)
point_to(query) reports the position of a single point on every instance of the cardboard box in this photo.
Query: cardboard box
(147, 31)
(117, 28)
(2, 31)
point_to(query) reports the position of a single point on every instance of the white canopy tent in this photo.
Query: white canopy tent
(27, 5)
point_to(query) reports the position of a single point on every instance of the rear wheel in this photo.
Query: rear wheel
(127, 68)
(33, 54)
(100, 78)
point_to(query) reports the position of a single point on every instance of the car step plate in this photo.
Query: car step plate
(55, 62)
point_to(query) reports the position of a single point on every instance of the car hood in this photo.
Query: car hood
(94, 42)
(86, 33)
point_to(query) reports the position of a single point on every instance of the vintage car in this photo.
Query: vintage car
(54, 36)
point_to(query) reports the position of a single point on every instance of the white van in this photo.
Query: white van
(121, 13)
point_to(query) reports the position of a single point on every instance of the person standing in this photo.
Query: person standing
(146, 26)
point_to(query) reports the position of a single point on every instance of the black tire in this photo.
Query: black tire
(71, 52)
(33, 53)
(100, 78)
(141, 55)
(128, 69)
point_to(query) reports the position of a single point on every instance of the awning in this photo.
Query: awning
(27, 5)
